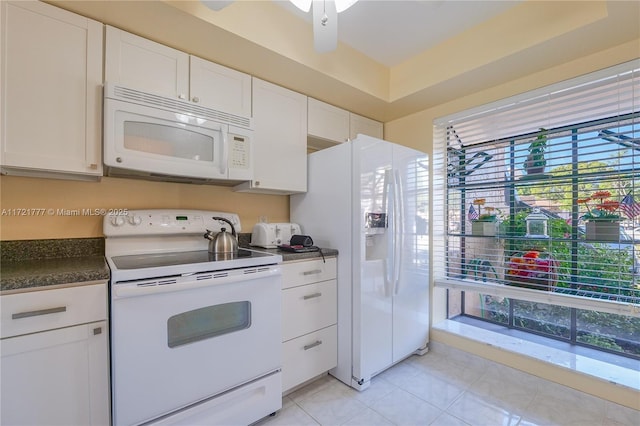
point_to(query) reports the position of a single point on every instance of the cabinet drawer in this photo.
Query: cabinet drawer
(308, 308)
(35, 311)
(308, 356)
(307, 272)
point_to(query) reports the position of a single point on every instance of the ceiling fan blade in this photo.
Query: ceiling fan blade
(325, 26)
(216, 4)
(303, 5)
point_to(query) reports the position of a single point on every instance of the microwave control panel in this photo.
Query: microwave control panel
(238, 152)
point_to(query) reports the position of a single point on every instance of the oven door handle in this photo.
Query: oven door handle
(147, 287)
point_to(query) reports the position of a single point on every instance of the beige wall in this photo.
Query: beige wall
(117, 193)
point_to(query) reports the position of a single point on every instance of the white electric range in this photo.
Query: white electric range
(195, 337)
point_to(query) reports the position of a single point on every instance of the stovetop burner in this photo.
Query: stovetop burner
(137, 261)
(167, 242)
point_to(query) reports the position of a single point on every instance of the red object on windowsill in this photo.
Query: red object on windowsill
(533, 269)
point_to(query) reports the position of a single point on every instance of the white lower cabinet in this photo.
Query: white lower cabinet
(55, 375)
(309, 318)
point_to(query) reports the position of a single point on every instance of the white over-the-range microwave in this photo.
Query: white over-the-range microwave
(156, 137)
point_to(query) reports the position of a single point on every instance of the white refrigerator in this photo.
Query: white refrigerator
(369, 199)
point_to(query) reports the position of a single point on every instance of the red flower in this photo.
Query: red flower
(609, 205)
(601, 195)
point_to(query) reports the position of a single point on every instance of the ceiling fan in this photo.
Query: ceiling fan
(325, 19)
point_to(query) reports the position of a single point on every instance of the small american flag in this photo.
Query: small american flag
(473, 213)
(629, 206)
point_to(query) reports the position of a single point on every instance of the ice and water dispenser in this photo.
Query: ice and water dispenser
(376, 236)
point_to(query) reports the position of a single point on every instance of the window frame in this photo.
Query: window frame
(442, 278)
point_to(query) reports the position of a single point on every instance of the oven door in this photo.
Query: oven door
(152, 140)
(178, 343)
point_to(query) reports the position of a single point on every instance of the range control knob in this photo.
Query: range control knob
(134, 220)
(117, 220)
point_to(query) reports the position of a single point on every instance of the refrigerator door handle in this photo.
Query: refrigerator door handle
(389, 203)
(398, 199)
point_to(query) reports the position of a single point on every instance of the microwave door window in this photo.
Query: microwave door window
(169, 141)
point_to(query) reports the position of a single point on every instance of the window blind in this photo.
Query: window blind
(538, 196)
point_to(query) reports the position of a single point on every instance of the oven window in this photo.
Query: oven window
(168, 140)
(208, 322)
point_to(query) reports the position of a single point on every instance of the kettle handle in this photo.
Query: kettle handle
(233, 229)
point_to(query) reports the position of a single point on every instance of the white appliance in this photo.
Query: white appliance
(195, 336)
(271, 235)
(154, 137)
(368, 198)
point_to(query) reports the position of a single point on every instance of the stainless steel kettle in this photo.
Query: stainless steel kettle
(222, 242)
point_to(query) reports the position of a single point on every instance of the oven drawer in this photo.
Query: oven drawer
(308, 308)
(308, 356)
(308, 271)
(35, 311)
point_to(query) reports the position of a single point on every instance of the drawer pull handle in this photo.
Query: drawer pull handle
(311, 296)
(39, 312)
(314, 271)
(312, 345)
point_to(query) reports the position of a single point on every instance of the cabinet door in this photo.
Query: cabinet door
(363, 125)
(51, 89)
(328, 122)
(145, 65)
(279, 140)
(58, 377)
(220, 88)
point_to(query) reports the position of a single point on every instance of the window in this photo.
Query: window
(208, 322)
(540, 217)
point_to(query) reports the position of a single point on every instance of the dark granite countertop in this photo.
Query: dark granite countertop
(291, 257)
(26, 265)
(29, 264)
(287, 256)
(27, 274)
(244, 240)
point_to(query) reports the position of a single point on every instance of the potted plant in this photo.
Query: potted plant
(484, 223)
(602, 219)
(536, 162)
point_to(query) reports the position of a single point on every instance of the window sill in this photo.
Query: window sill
(605, 371)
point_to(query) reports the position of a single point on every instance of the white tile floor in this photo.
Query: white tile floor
(447, 387)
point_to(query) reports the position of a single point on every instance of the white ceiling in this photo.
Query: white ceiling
(392, 31)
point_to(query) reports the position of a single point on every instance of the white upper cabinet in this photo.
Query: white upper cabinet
(51, 92)
(363, 125)
(327, 122)
(279, 140)
(330, 125)
(220, 88)
(145, 65)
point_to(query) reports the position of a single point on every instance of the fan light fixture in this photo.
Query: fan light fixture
(325, 20)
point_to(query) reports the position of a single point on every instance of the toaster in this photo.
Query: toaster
(271, 235)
